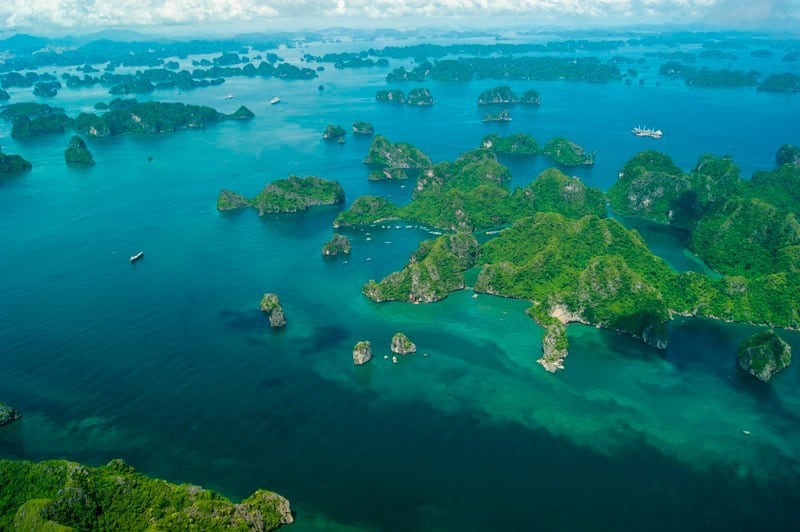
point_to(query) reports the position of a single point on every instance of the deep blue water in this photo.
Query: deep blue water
(168, 363)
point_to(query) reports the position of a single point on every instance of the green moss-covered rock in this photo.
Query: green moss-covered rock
(367, 210)
(4, 95)
(402, 345)
(434, 271)
(420, 97)
(77, 152)
(363, 128)
(388, 174)
(788, 154)
(530, 97)
(650, 186)
(242, 113)
(57, 495)
(296, 194)
(391, 96)
(11, 164)
(553, 191)
(554, 347)
(518, 144)
(744, 237)
(337, 244)
(362, 353)
(764, 354)
(498, 95)
(271, 305)
(383, 153)
(567, 153)
(500, 116)
(229, 200)
(8, 414)
(333, 132)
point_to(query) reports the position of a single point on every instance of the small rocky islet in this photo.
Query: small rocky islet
(271, 306)
(8, 414)
(13, 164)
(764, 354)
(77, 152)
(336, 245)
(362, 353)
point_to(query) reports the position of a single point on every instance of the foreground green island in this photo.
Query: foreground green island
(556, 248)
(58, 495)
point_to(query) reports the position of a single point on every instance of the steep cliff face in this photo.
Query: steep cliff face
(764, 354)
(77, 152)
(271, 305)
(433, 272)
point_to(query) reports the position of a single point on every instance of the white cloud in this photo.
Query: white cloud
(94, 14)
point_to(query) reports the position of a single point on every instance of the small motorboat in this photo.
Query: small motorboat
(274, 100)
(138, 256)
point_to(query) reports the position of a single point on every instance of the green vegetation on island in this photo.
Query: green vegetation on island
(391, 96)
(500, 116)
(77, 152)
(12, 164)
(293, 194)
(333, 132)
(271, 306)
(363, 128)
(419, 97)
(402, 345)
(8, 414)
(385, 154)
(123, 116)
(472, 194)
(588, 69)
(337, 244)
(362, 353)
(498, 95)
(764, 354)
(567, 153)
(517, 144)
(787, 83)
(433, 271)
(4, 95)
(503, 95)
(706, 77)
(59, 495)
(788, 154)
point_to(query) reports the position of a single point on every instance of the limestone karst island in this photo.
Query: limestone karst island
(400, 266)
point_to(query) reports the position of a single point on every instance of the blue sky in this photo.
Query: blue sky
(75, 16)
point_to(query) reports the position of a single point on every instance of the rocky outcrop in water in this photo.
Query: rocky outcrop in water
(229, 200)
(362, 353)
(271, 305)
(764, 354)
(11, 164)
(8, 414)
(77, 152)
(337, 244)
(554, 347)
(402, 345)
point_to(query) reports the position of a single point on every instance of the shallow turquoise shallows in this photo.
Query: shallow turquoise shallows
(168, 364)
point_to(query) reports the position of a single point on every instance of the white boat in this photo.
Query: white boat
(138, 256)
(647, 132)
(229, 97)
(274, 100)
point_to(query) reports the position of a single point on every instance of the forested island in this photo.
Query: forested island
(293, 194)
(559, 251)
(419, 97)
(12, 164)
(58, 495)
(122, 116)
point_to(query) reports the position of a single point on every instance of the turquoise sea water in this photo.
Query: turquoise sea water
(168, 364)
